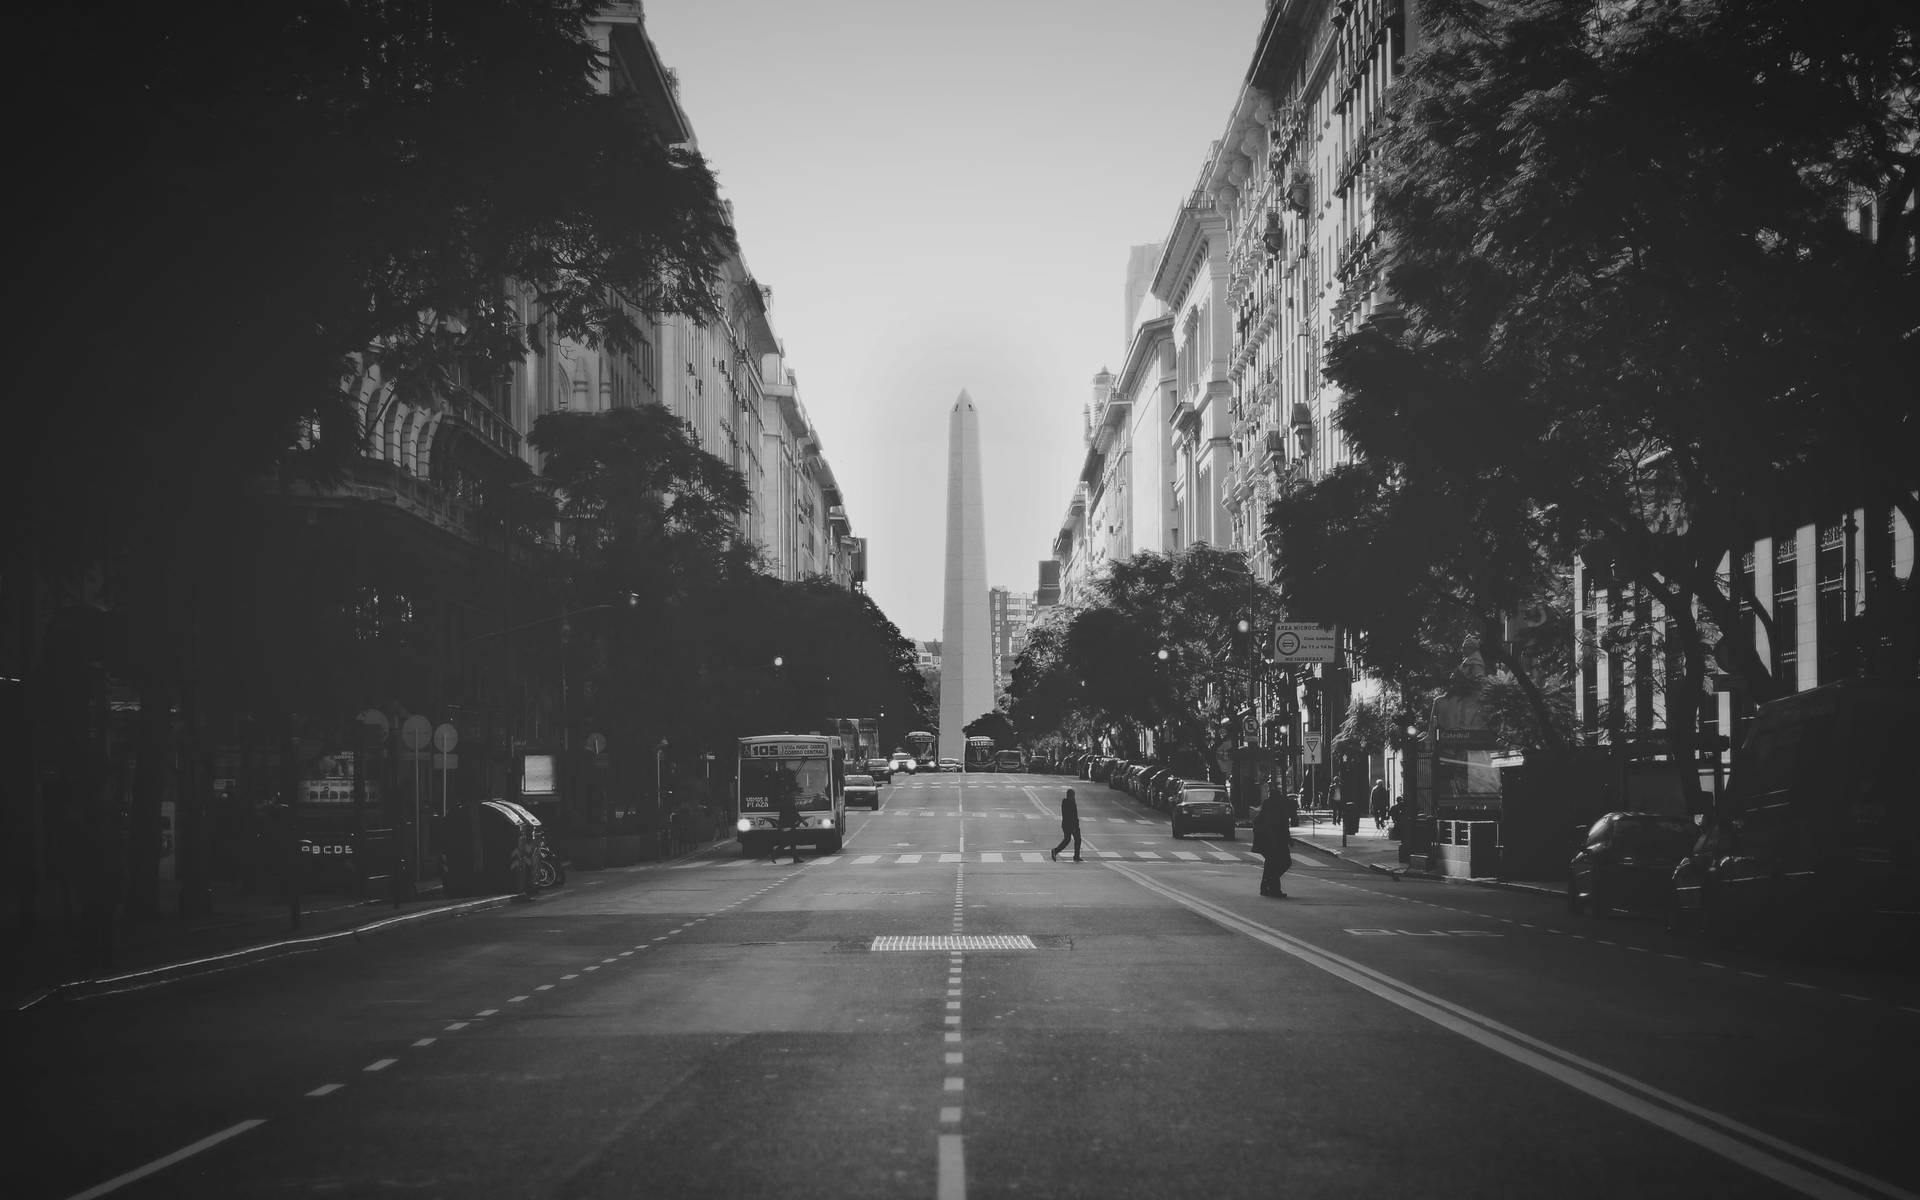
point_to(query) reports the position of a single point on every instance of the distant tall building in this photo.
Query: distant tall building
(966, 660)
(1009, 616)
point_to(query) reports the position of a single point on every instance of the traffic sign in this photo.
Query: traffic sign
(1310, 748)
(1299, 642)
(445, 738)
(596, 743)
(1250, 726)
(415, 731)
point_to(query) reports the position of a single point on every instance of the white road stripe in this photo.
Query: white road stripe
(1145, 854)
(1774, 1158)
(1032, 856)
(991, 856)
(908, 858)
(951, 1183)
(207, 1143)
(1188, 855)
(866, 859)
(949, 858)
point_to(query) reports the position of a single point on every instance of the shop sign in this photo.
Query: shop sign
(327, 846)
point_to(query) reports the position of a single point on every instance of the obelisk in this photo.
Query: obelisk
(966, 655)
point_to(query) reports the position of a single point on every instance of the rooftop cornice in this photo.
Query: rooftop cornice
(1143, 350)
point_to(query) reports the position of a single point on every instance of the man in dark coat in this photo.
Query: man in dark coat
(788, 835)
(1069, 827)
(1378, 802)
(1272, 840)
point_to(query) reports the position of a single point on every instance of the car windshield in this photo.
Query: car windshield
(1652, 835)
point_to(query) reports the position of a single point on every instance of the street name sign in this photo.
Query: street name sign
(1296, 642)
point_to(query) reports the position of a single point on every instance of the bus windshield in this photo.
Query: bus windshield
(765, 782)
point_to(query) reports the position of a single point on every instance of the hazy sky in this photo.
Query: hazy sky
(941, 196)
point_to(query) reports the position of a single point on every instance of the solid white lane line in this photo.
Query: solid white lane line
(161, 1164)
(1758, 1151)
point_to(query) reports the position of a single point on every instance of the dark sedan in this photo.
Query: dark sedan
(862, 789)
(1202, 808)
(1626, 862)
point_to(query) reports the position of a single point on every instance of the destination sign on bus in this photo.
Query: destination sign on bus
(787, 749)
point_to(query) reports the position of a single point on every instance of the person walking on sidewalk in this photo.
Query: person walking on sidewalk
(1378, 802)
(1069, 826)
(1272, 842)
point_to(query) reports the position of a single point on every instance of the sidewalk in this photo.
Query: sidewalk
(1370, 848)
(243, 927)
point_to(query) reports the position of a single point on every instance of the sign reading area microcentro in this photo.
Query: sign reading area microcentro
(1301, 643)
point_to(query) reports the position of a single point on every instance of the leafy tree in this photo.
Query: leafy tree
(1629, 310)
(1159, 646)
(996, 725)
(244, 217)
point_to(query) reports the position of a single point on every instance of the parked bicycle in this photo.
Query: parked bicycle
(550, 871)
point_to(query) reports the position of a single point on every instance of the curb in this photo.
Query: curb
(82, 989)
(1409, 873)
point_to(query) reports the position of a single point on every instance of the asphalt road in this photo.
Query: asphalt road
(1141, 1024)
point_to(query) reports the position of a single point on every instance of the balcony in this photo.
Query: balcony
(479, 419)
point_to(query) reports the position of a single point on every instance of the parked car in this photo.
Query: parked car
(881, 769)
(861, 789)
(1201, 807)
(1168, 790)
(1152, 785)
(952, 765)
(1819, 830)
(1625, 861)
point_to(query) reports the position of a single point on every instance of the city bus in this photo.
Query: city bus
(920, 745)
(979, 753)
(809, 767)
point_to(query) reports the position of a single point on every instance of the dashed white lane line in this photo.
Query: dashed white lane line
(542, 987)
(517, 999)
(380, 1064)
(162, 1163)
(488, 1012)
(456, 1027)
(425, 1041)
(326, 1089)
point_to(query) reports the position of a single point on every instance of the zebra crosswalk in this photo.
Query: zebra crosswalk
(923, 858)
(1016, 816)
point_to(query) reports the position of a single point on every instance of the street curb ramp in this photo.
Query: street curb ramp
(82, 989)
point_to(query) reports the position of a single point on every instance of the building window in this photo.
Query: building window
(1589, 654)
(1786, 611)
(1832, 629)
